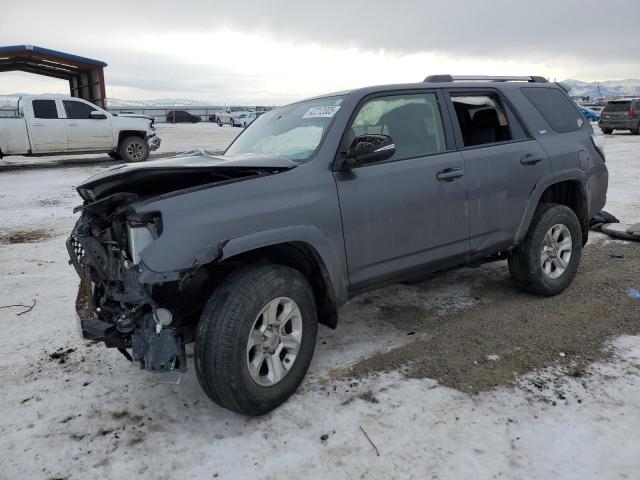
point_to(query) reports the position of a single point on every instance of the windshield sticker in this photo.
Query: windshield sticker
(321, 112)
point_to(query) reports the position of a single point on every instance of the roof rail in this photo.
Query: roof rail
(486, 78)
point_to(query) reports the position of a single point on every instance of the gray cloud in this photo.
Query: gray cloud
(600, 39)
(546, 28)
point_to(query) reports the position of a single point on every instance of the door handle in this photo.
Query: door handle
(531, 159)
(72, 125)
(37, 124)
(449, 174)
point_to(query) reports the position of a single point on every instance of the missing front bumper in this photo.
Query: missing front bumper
(158, 351)
(154, 143)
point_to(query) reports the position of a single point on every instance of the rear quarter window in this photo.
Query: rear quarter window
(558, 110)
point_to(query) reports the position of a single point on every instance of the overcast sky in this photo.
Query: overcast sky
(281, 50)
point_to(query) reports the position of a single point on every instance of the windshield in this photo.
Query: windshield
(293, 132)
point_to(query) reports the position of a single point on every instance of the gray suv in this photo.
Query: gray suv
(319, 201)
(621, 115)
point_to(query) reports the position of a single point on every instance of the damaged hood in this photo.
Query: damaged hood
(172, 174)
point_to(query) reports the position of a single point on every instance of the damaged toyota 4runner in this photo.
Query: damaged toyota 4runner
(319, 201)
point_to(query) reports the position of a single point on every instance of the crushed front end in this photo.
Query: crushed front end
(114, 305)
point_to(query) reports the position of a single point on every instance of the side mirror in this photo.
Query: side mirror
(367, 149)
(97, 115)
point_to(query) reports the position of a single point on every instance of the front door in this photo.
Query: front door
(85, 132)
(410, 211)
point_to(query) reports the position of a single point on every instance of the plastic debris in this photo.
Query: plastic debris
(634, 293)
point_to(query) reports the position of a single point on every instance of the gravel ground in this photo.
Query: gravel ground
(522, 331)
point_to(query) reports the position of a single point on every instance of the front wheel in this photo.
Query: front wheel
(134, 149)
(547, 260)
(255, 338)
(607, 131)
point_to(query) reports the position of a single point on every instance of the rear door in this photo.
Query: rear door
(46, 127)
(411, 210)
(83, 131)
(503, 165)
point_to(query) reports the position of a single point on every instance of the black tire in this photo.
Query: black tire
(219, 122)
(115, 155)
(220, 355)
(636, 131)
(607, 131)
(525, 262)
(134, 149)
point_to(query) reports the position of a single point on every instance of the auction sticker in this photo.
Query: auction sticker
(321, 112)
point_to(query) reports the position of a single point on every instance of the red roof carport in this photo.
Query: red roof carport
(85, 75)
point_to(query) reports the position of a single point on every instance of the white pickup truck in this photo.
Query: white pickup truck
(58, 124)
(234, 116)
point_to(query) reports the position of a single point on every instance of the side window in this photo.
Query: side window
(77, 110)
(412, 121)
(482, 119)
(45, 109)
(557, 109)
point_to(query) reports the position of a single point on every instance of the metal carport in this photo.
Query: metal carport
(85, 75)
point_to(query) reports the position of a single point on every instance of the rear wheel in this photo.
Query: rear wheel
(134, 149)
(547, 260)
(607, 131)
(255, 338)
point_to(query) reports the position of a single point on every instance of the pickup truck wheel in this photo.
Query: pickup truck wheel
(115, 155)
(547, 260)
(255, 338)
(134, 149)
(219, 122)
(607, 131)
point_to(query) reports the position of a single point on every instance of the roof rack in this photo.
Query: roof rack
(486, 78)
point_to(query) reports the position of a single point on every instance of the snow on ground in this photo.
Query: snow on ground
(80, 411)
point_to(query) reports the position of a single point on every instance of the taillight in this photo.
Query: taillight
(632, 112)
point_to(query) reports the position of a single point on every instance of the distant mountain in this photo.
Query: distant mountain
(609, 88)
(11, 101)
(162, 102)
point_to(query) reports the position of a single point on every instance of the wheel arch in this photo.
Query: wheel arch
(130, 133)
(567, 189)
(304, 248)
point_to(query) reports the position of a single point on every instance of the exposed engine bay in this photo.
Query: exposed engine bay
(120, 301)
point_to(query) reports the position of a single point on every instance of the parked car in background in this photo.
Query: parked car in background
(234, 116)
(182, 116)
(61, 124)
(245, 253)
(591, 115)
(621, 115)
